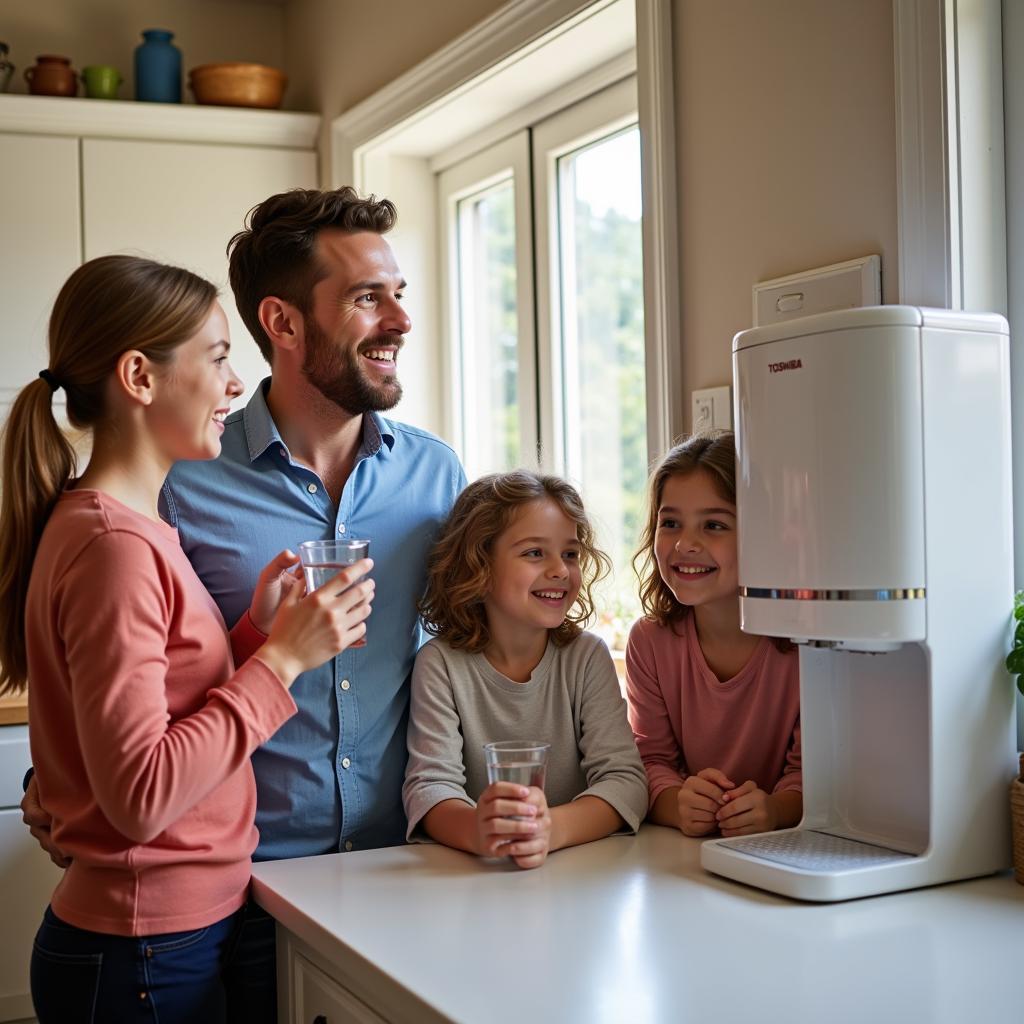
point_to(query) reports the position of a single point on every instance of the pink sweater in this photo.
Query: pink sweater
(685, 720)
(140, 728)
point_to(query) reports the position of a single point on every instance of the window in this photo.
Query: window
(488, 321)
(549, 220)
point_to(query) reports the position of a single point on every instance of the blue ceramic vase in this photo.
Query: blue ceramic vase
(158, 68)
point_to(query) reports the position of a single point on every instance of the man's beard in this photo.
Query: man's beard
(335, 372)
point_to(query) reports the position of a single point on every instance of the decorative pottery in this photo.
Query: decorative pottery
(237, 84)
(101, 81)
(158, 68)
(52, 75)
(6, 67)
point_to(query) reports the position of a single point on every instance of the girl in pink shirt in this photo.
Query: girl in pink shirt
(715, 711)
(141, 726)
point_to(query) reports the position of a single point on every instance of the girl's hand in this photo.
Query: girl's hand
(700, 799)
(311, 628)
(747, 809)
(275, 581)
(496, 810)
(532, 851)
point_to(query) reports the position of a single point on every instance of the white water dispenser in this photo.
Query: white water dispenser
(874, 503)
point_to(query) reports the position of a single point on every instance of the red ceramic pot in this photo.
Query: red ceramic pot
(52, 75)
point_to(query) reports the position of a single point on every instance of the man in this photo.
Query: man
(309, 458)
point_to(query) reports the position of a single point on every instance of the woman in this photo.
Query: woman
(141, 726)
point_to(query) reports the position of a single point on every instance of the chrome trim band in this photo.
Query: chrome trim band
(895, 594)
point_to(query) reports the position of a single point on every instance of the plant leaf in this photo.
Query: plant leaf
(1015, 661)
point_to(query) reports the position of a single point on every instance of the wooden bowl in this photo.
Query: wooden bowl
(236, 84)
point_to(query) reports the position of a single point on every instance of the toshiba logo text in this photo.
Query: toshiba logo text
(789, 364)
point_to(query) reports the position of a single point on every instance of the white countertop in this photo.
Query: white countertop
(632, 930)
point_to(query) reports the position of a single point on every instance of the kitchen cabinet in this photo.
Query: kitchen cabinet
(180, 202)
(316, 998)
(40, 225)
(27, 878)
(626, 929)
(83, 178)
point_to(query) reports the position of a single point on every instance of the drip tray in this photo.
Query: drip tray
(813, 851)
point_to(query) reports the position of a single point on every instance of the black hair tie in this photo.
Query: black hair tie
(50, 379)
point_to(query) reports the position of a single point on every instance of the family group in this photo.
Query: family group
(193, 705)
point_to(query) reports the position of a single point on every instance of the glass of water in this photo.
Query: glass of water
(523, 762)
(322, 560)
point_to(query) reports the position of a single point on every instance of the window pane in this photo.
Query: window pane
(603, 353)
(487, 329)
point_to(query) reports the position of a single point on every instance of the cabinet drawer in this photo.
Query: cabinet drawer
(321, 1000)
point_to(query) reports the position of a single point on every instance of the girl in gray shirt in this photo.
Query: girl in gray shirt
(509, 587)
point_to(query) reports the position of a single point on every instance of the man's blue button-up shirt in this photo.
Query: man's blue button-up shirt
(331, 778)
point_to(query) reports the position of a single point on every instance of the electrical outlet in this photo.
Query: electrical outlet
(703, 412)
(711, 409)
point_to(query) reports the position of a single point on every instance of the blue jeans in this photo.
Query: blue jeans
(83, 977)
(250, 969)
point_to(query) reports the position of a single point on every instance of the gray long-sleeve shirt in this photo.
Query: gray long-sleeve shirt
(572, 701)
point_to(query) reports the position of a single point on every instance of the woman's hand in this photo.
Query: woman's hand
(278, 578)
(39, 823)
(309, 629)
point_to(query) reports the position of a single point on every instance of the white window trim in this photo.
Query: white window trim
(666, 401)
(497, 162)
(951, 166)
(950, 159)
(597, 116)
(483, 51)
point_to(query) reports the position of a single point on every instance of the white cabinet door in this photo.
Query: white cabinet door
(40, 244)
(319, 999)
(181, 202)
(27, 878)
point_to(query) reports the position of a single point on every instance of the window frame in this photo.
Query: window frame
(507, 159)
(603, 114)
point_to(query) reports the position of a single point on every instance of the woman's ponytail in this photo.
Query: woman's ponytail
(38, 460)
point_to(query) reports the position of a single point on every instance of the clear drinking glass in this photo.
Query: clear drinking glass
(322, 560)
(523, 762)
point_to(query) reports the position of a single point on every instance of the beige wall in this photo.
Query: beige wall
(337, 55)
(785, 116)
(107, 32)
(786, 146)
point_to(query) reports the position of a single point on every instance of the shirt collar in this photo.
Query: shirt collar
(261, 431)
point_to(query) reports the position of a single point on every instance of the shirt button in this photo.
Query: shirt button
(341, 527)
(348, 845)
(311, 488)
(345, 684)
(281, 451)
(346, 763)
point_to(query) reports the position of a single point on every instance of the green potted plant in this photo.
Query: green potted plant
(1015, 665)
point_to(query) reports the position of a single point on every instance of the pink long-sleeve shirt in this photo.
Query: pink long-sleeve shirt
(685, 719)
(140, 727)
